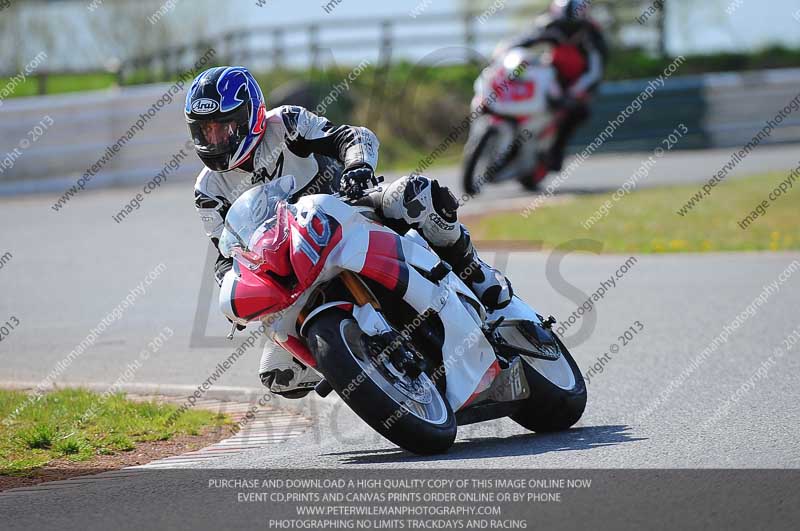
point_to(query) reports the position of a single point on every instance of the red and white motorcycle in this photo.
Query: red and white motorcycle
(516, 121)
(387, 324)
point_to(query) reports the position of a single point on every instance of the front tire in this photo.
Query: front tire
(338, 346)
(479, 159)
(557, 399)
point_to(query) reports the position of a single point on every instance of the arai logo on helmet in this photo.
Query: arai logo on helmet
(204, 106)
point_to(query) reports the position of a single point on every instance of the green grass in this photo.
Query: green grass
(79, 83)
(58, 426)
(62, 83)
(39, 437)
(646, 221)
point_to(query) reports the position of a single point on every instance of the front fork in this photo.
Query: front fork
(360, 292)
(383, 341)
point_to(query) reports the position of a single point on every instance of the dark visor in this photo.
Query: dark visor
(220, 136)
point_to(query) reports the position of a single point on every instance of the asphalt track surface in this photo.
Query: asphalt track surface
(70, 269)
(606, 173)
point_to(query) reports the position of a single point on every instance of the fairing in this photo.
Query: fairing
(518, 86)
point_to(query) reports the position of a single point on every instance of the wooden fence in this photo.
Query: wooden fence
(309, 45)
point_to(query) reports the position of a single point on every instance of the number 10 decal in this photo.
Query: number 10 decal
(306, 220)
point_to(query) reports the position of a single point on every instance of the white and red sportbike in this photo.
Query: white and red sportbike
(387, 324)
(517, 121)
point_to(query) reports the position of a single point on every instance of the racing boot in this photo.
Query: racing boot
(576, 112)
(531, 182)
(555, 157)
(489, 284)
(282, 374)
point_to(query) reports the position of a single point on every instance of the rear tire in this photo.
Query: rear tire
(551, 407)
(337, 361)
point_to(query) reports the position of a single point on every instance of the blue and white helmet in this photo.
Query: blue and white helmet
(225, 111)
(571, 9)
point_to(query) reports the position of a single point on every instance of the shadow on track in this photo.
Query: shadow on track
(584, 438)
(586, 191)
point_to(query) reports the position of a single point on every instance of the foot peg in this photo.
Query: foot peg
(323, 388)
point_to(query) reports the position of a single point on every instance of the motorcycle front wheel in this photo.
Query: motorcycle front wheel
(480, 159)
(410, 412)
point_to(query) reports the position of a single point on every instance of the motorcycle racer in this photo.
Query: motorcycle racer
(243, 145)
(579, 56)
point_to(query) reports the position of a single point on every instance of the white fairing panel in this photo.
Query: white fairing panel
(543, 80)
(226, 296)
(466, 353)
(418, 253)
(516, 311)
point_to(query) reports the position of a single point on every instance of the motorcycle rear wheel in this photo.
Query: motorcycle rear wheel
(413, 415)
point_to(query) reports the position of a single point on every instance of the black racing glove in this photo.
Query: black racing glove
(355, 180)
(222, 266)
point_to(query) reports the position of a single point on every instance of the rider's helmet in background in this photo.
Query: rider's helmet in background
(572, 10)
(225, 111)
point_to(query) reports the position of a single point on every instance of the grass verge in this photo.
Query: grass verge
(75, 425)
(60, 84)
(646, 221)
